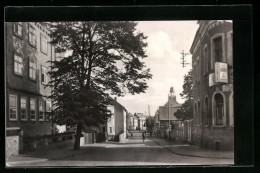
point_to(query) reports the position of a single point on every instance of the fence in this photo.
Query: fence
(39, 142)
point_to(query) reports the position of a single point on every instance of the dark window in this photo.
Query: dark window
(163, 124)
(44, 75)
(18, 65)
(48, 110)
(23, 109)
(41, 111)
(32, 69)
(219, 109)
(32, 109)
(18, 29)
(218, 49)
(32, 36)
(44, 44)
(12, 107)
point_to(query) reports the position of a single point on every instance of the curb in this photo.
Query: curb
(14, 163)
(181, 154)
(10, 164)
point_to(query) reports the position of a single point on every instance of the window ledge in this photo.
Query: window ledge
(34, 46)
(13, 119)
(18, 36)
(18, 75)
(218, 126)
(33, 80)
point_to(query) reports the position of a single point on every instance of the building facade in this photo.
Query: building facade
(132, 121)
(27, 52)
(116, 124)
(165, 114)
(212, 63)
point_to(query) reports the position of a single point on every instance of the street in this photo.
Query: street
(131, 153)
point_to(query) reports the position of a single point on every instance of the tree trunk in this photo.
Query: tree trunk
(78, 136)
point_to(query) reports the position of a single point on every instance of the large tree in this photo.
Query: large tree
(105, 59)
(186, 110)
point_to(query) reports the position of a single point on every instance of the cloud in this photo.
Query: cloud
(166, 39)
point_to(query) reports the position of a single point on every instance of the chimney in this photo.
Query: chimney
(115, 98)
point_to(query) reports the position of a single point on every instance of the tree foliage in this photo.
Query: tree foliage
(149, 122)
(105, 59)
(186, 110)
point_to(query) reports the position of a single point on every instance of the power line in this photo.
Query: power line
(183, 60)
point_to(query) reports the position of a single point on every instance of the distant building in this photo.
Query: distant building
(212, 63)
(156, 129)
(141, 121)
(116, 124)
(166, 114)
(132, 121)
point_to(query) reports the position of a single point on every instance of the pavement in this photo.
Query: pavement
(65, 149)
(191, 150)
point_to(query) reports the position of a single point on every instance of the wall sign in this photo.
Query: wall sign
(221, 72)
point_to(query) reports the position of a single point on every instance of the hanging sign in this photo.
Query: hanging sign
(221, 72)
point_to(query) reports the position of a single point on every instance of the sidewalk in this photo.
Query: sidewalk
(54, 152)
(191, 150)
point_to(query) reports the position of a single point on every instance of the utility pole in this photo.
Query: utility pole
(149, 110)
(183, 60)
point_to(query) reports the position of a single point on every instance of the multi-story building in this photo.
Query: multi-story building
(212, 63)
(28, 48)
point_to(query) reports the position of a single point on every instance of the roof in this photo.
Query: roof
(165, 111)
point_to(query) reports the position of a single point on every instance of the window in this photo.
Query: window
(110, 129)
(219, 109)
(44, 75)
(33, 109)
(23, 108)
(32, 36)
(18, 64)
(18, 29)
(205, 60)
(12, 107)
(41, 111)
(163, 124)
(218, 49)
(44, 44)
(48, 109)
(32, 69)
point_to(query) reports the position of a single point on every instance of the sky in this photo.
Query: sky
(166, 39)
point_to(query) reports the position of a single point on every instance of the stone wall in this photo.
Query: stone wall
(12, 145)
